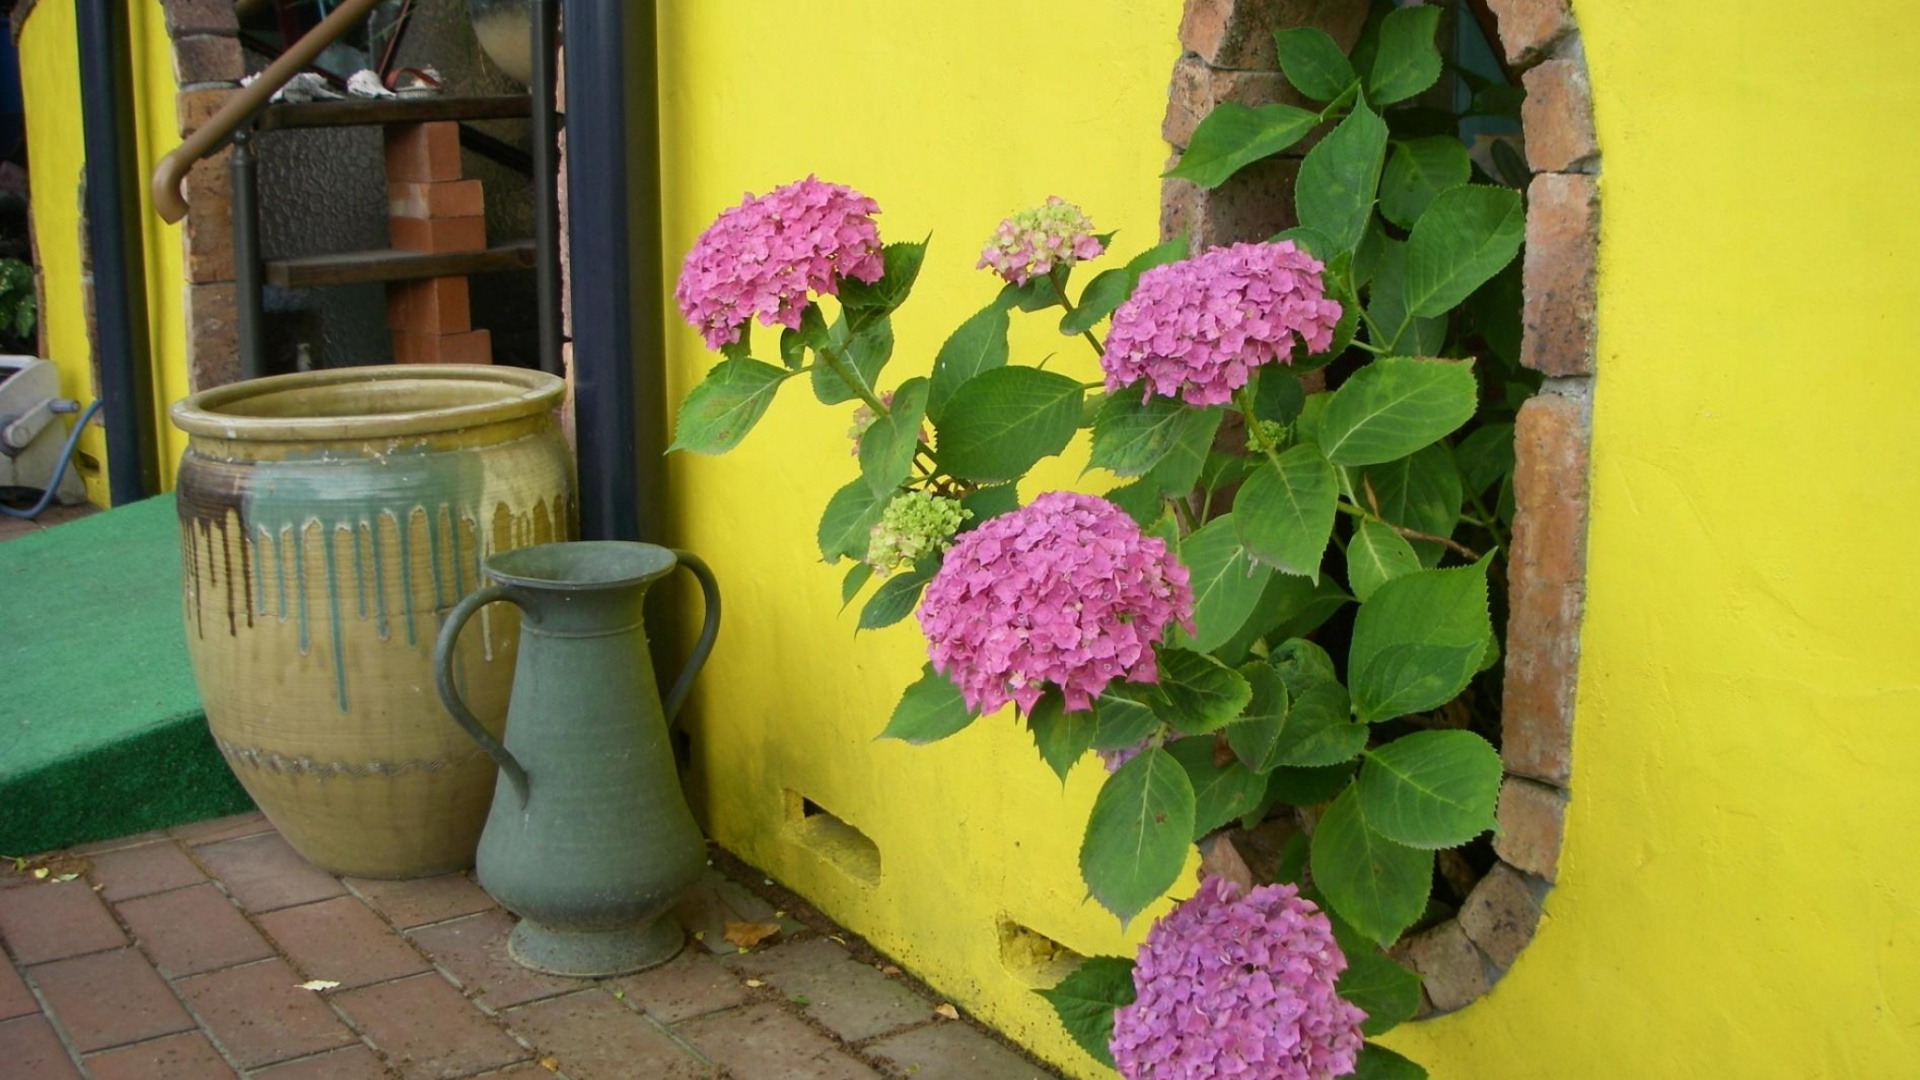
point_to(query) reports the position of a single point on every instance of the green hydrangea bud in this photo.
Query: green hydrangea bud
(1264, 435)
(914, 525)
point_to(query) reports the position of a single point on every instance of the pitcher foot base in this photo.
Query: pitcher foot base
(594, 954)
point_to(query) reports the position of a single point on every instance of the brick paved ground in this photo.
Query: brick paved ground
(180, 956)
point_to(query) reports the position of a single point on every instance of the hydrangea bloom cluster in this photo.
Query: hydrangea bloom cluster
(763, 257)
(1064, 591)
(1196, 329)
(914, 525)
(1238, 986)
(1032, 242)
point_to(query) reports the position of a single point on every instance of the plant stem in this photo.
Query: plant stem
(858, 386)
(1185, 513)
(1060, 291)
(1411, 534)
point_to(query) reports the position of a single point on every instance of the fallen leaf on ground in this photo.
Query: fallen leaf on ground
(837, 937)
(550, 1063)
(65, 877)
(746, 935)
(41, 873)
(319, 984)
(889, 969)
(801, 1000)
(756, 983)
(946, 1011)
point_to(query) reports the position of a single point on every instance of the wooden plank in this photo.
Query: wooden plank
(359, 112)
(354, 267)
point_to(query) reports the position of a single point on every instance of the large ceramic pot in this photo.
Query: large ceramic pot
(505, 30)
(328, 522)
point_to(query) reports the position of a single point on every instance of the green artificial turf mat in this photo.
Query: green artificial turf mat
(101, 732)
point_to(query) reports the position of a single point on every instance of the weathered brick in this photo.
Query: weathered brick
(341, 941)
(200, 17)
(213, 336)
(1197, 88)
(101, 847)
(142, 871)
(47, 922)
(15, 998)
(1252, 206)
(590, 1036)
(423, 153)
(30, 1047)
(187, 1056)
(1501, 913)
(352, 1063)
(1558, 117)
(433, 306)
(261, 1015)
(407, 904)
(207, 58)
(1563, 246)
(952, 1052)
(1529, 28)
(849, 998)
(436, 235)
(195, 107)
(424, 1023)
(448, 198)
(1220, 857)
(474, 950)
(264, 873)
(1239, 33)
(1532, 823)
(765, 1042)
(692, 984)
(1452, 971)
(207, 232)
(471, 347)
(109, 999)
(188, 931)
(214, 830)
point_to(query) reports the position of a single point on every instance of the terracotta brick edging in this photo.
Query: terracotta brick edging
(1227, 55)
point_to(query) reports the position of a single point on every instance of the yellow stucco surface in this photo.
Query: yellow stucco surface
(1738, 892)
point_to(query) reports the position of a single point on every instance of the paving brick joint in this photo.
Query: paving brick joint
(213, 952)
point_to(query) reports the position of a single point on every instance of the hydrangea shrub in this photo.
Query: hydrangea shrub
(1285, 596)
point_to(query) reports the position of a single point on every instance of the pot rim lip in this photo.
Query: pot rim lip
(525, 393)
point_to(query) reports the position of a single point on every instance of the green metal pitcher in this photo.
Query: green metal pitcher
(589, 839)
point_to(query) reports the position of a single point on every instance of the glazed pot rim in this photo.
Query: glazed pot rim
(500, 393)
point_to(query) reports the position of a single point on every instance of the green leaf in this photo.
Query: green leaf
(1308, 786)
(979, 344)
(1139, 834)
(849, 517)
(1226, 582)
(1418, 170)
(1387, 307)
(929, 711)
(1375, 556)
(1495, 309)
(1431, 789)
(1313, 63)
(812, 334)
(1320, 728)
(1376, 1063)
(1255, 737)
(1388, 993)
(988, 503)
(1124, 720)
(1407, 60)
(1418, 641)
(1278, 396)
(1466, 236)
(863, 353)
(888, 444)
(1421, 492)
(1179, 470)
(1290, 606)
(895, 600)
(1222, 791)
(1394, 406)
(1000, 422)
(1233, 136)
(1301, 663)
(1196, 694)
(1484, 456)
(1085, 1002)
(1107, 290)
(1378, 886)
(1166, 251)
(1140, 499)
(1224, 470)
(1334, 193)
(1062, 737)
(902, 266)
(1131, 436)
(1038, 294)
(719, 412)
(1284, 513)
(857, 576)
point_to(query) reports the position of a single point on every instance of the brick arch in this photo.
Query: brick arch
(1228, 55)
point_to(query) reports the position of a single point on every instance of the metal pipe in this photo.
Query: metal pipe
(248, 287)
(119, 264)
(613, 222)
(546, 203)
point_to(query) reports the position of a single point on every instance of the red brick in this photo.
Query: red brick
(765, 1042)
(1563, 245)
(428, 1029)
(437, 235)
(260, 1014)
(213, 336)
(189, 931)
(178, 1057)
(142, 871)
(1532, 822)
(692, 984)
(1452, 971)
(342, 941)
(15, 998)
(214, 830)
(1239, 33)
(445, 199)
(207, 232)
(849, 998)
(109, 999)
(264, 873)
(474, 950)
(353, 1063)
(120, 843)
(47, 922)
(433, 306)
(1501, 913)
(200, 17)
(952, 1052)
(594, 1037)
(1529, 28)
(423, 153)
(1558, 117)
(193, 108)
(407, 904)
(1197, 88)
(1252, 206)
(205, 58)
(33, 1052)
(472, 347)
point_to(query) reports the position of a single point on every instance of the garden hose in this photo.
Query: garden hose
(66, 461)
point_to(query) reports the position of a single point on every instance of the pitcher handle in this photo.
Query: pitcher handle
(450, 697)
(709, 629)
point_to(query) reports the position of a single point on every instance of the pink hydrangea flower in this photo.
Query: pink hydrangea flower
(764, 257)
(1065, 591)
(1196, 329)
(1032, 242)
(1238, 986)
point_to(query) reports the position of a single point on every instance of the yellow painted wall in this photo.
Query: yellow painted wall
(1739, 890)
(50, 89)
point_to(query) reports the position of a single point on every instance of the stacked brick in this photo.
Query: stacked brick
(207, 66)
(430, 209)
(1228, 55)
